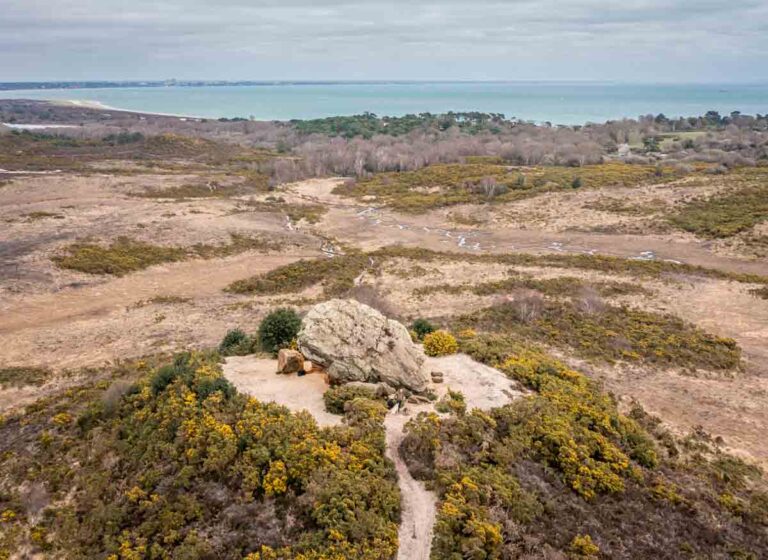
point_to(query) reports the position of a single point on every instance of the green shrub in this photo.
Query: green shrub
(422, 328)
(440, 343)
(205, 387)
(452, 402)
(336, 397)
(278, 329)
(236, 343)
(164, 377)
(337, 276)
(21, 376)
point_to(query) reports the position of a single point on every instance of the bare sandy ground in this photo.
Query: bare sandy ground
(482, 386)
(257, 377)
(89, 326)
(371, 228)
(100, 208)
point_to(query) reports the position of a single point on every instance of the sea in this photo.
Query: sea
(564, 103)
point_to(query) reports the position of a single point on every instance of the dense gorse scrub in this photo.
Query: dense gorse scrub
(562, 473)
(178, 465)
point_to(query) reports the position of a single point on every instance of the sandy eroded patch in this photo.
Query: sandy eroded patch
(257, 377)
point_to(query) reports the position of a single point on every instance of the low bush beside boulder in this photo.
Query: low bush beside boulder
(278, 330)
(236, 343)
(440, 343)
(336, 397)
(422, 328)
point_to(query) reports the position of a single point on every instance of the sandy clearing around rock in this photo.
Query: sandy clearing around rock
(257, 377)
(483, 387)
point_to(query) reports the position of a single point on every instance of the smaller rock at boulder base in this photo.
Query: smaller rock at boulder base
(437, 377)
(289, 361)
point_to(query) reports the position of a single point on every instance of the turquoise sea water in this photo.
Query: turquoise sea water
(559, 103)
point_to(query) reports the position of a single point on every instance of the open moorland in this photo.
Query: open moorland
(606, 288)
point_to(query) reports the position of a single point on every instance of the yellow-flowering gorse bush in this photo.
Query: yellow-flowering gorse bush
(440, 343)
(193, 458)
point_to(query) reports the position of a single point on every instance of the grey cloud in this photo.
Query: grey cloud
(703, 40)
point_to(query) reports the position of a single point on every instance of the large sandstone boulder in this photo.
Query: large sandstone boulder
(355, 342)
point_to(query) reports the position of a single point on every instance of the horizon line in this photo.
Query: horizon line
(301, 81)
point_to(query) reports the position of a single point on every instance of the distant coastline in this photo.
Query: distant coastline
(557, 103)
(109, 84)
(99, 106)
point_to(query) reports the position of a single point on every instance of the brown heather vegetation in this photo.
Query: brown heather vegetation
(738, 210)
(566, 286)
(337, 274)
(23, 376)
(602, 263)
(761, 292)
(312, 213)
(203, 191)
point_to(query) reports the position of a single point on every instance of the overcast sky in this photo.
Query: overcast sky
(629, 40)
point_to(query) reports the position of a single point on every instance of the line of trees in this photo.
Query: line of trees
(365, 144)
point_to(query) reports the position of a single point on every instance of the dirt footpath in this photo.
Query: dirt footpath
(418, 505)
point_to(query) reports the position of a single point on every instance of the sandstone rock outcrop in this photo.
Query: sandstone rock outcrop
(289, 361)
(355, 342)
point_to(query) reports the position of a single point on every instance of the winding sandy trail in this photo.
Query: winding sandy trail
(419, 505)
(483, 387)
